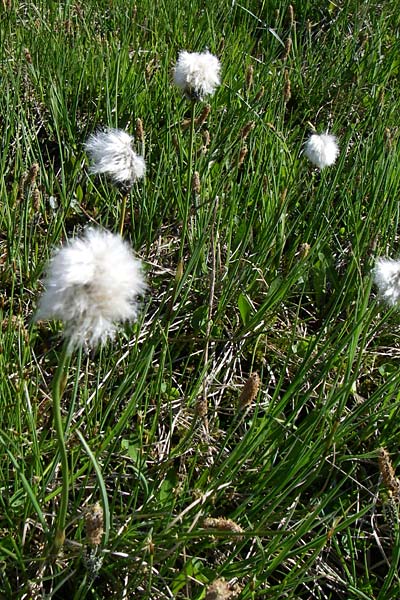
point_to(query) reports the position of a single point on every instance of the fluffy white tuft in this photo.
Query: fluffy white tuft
(322, 150)
(111, 153)
(386, 275)
(92, 284)
(197, 74)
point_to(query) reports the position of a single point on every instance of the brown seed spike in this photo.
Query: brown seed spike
(249, 77)
(28, 56)
(260, 94)
(94, 524)
(21, 185)
(291, 15)
(390, 480)
(287, 88)
(387, 134)
(202, 408)
(206, 141)
(218, 590)
(249, 391)
(196, 186)
(203, 116)
(33, 173)
(222, 524)
(288, 47)
(242, 155)
(247, 129)
(36, 199)
(139, 130)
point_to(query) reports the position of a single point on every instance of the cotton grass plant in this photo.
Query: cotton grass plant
(386, 274)
(92, 285)
(112, 154)
(197, 75)
(322, 150)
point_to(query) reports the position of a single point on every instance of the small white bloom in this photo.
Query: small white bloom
(92, 284)
(387, 277)
(111, 153)
(197, 74)
(322, 150)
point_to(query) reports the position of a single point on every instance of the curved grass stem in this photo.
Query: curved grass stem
(57, 389)
(122, 215)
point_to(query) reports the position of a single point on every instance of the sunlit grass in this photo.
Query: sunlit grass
(273, 277)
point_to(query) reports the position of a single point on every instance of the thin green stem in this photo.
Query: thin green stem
(122, 215)
(189, 182)
(58, 388)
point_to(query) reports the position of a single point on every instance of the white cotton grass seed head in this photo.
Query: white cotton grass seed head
(92, 284)
(322, 150)
(111, 153)
(386, 274)
(197, 74)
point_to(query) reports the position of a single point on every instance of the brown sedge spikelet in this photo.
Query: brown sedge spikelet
(287, 88)
(139, 130)
(218, 590)
(242, 155)
(390, 481)
(387, 134)
(206, 141)
(36, 199)
(28, 56)
(249, 391)
(94, 524)
(246, 130)
(260, 94)
(202, 407)
(203, 116)
(222, 524)
(249, 77)
(33, 173)
(196, 186)
(291, 16)
(288, 47)
(21, 186)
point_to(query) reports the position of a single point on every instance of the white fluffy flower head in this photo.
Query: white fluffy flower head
(387, 277)
(111, 153)
(322, 150)
(92, 284)
(197, 74)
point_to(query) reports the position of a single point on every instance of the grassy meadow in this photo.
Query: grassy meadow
(265, 267)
